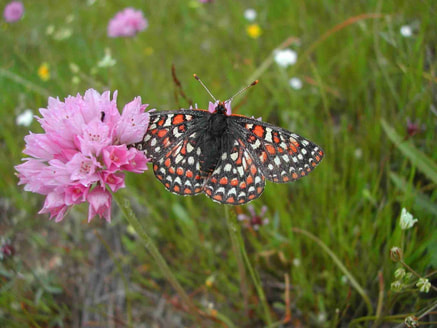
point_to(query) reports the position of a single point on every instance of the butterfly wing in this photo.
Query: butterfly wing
(282, 156)
(236, 179)
(171, 144)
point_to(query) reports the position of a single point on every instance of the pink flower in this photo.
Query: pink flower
(254, 220)
(13, 11)
(83, 151)
(127, 22)
(212, 106)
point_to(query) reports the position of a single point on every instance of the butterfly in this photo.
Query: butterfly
(227, 156)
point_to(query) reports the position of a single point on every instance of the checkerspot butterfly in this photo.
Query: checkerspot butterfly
(226, 156)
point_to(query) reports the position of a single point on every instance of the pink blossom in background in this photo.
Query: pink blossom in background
(13, 11)
(127, 22)
(212, 106)
(83, 152)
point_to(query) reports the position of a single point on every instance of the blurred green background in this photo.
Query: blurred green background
(368, 98)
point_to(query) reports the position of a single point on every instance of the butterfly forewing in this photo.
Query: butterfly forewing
(168, 128)
(236, 179)
(282, 156)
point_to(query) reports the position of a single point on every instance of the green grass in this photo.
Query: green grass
(357, 73)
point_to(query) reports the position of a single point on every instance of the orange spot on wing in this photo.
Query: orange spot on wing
(249, 179)
(162, 133)
(198, 189)
(234, 182)
(189, 174)
(180, 171)
(208, 192)
(252, 196)
(178, 119)
(253, 169)
(166, 141)
(167, 162)
(292, 149)
(218, 197)
(230, 200)
(171, 170)
(223, 181)
(294, 175)
(181, 128)
(271, 149)
(258, 130)
(187, 191)
(313, 164)
(243, 185)
(302, 173)
(213, 180)
(276, 139)
(167, 185)
(317, 158)
(161, 122)
(176, 188)
(285, 178)
(259, 190)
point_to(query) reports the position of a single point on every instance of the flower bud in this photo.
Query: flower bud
(399, 273)
(396, 286)
(396, 254)
(411, 321)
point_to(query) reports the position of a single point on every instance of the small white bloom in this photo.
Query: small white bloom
(358, 153)
(75, 79)
(63, 34)
(400, 273)
(285, 57)
(296, 262)
(107, 60)
(406, 31)
(407, 220)
(50, 29)
(250, 14)
(424, 285)
(344, 280)
(295, 83)
(25, 118)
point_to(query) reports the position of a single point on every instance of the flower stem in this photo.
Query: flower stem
(240, 251)
(154, 252)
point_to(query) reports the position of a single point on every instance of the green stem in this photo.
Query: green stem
(236, 237)
(153, 251)
(340, 265)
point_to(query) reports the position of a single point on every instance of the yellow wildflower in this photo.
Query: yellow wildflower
(149, 51)
(44, 72)
(254, 31)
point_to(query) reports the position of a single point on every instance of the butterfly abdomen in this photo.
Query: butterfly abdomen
(213, 142)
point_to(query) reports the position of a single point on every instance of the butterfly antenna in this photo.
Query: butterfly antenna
(203, 85)
(243, 90)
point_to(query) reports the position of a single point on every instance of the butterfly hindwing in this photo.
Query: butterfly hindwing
(282, 156)
(236, 179)
(179, 168)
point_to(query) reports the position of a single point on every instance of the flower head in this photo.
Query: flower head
(25, 118)
(7, 250)
(254, 31)
(127, 22)
(250, 14)
(44, 72)
(424, 285)
(406, 220)
(254, 220)
(295, 83)
(285, 57)
(406, 31)
(83, 152)
(13, 11)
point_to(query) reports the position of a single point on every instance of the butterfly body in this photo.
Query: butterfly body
(226, 156)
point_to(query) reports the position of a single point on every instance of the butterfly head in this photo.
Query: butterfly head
(220, 107)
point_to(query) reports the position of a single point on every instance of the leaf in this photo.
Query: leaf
(420, 200)
(418, 158)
